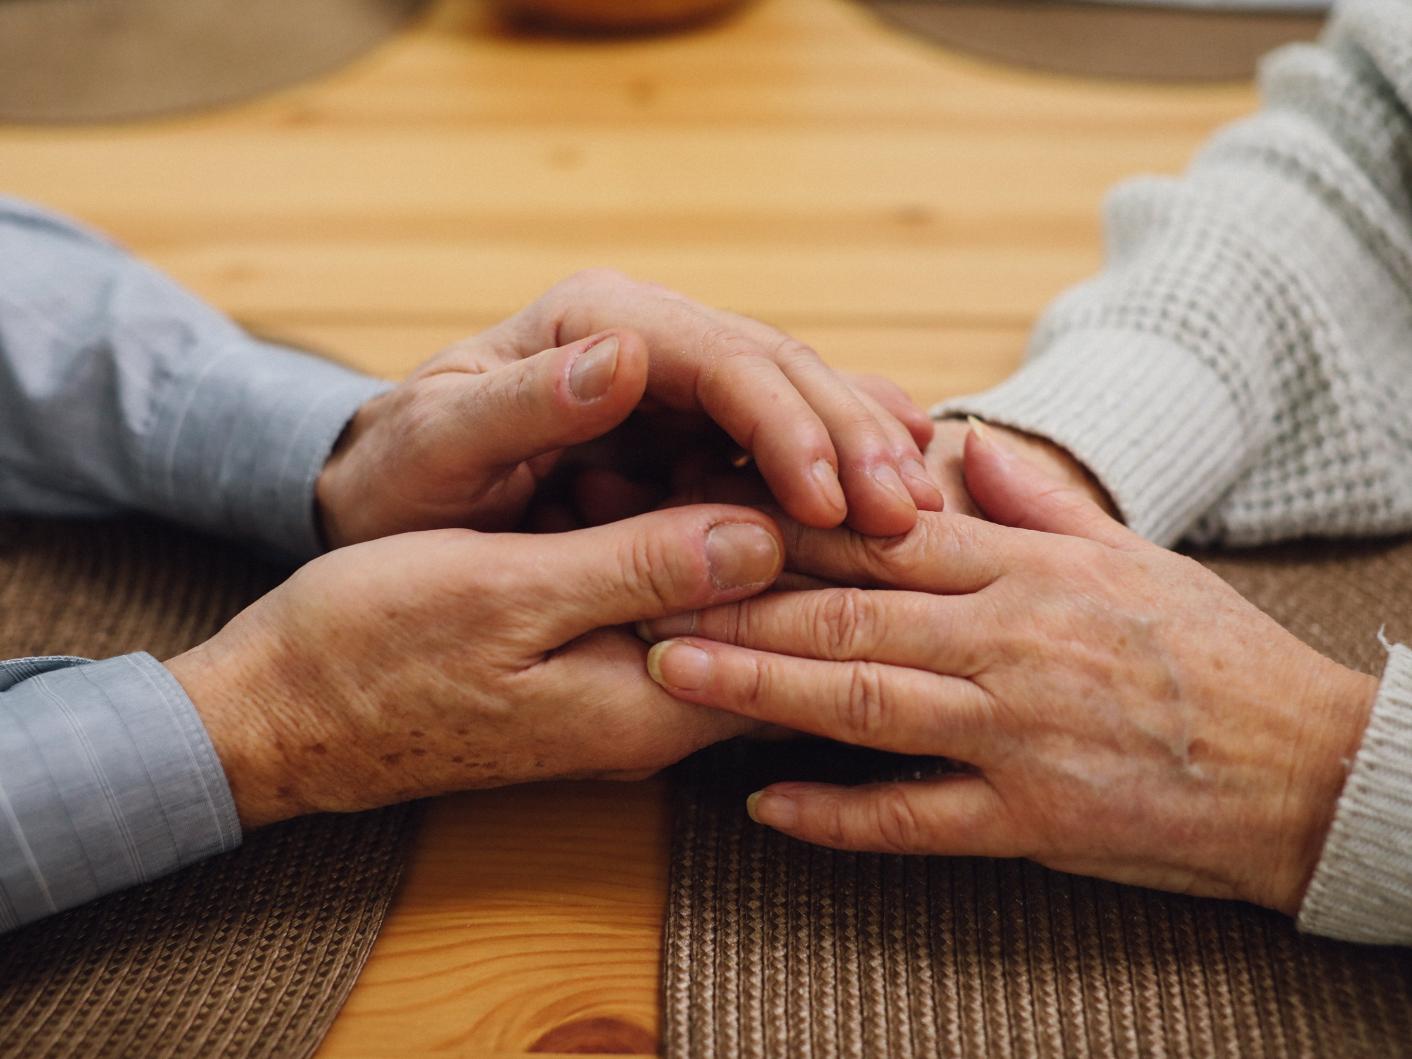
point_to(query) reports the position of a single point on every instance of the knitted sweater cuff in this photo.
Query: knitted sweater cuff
(1152, 422)
(1362, 886)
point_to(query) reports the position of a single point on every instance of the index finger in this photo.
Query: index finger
(871, 704)
(944, 552)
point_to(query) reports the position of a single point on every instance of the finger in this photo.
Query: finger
(1014, 492)
(896, 401)
(547, 401)
(703, 360)
(944, 459)
(639, 725)
(919, 481)
(645, 567)
(866, 703)
(879, 501)
(750, 398)
(941, 634)
(956, 816)
(944, 553)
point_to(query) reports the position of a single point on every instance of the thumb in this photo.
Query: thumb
(548, 401)
(647, 567)
(1014, 492)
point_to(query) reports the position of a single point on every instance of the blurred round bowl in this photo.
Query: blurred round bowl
(614, 16)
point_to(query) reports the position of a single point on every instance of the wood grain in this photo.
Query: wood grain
(904, 209)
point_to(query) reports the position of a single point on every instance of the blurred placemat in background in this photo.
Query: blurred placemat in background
(1143, 40)
(105, 60)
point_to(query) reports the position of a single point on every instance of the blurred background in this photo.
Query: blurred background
(899, 204)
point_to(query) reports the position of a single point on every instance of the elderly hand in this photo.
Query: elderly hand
(946, 461)
(1123, 711)
(449, 659)
(465, 440)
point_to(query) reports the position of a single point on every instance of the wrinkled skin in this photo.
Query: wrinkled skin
(449, 659)
(1123, 712)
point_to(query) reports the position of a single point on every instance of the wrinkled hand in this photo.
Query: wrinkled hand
(449, 659)
(467, 438)
(1123, 711)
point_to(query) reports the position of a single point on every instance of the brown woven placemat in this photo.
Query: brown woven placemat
(248, 954)
(775, 948)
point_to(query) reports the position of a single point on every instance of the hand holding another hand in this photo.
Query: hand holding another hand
(468, 437)
(1124, 712)
(449, 659)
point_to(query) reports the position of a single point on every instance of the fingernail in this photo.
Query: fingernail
(666, 628)
(593, 370)
(678, 665)
(772, 810)
(886, 477)
(741, 554)
(827, 479)
(983, 431)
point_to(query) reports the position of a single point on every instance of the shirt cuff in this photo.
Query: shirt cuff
(239, 448)
(1150, 421)
(107, 779)
(1362, 887)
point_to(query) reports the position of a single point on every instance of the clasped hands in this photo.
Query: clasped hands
(1120, 711)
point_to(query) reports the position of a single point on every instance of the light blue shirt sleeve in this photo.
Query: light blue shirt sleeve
(107, 779)
(120, 391)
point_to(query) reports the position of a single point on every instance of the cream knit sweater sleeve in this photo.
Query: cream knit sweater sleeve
(1241, 372)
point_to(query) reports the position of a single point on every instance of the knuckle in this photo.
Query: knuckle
(424, 412)
(846, 619)
(657, 570)
(794, 353)
(865, 710)
(597, 278)
(940, 536)
(895, 821)
(895, 559)
(524, 391)
(754, 682)
(883, 388)
(569, 303)
(721, 343)
(736, 625)
(832, 824)
(865, 435)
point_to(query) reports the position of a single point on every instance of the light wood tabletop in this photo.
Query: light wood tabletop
(904, 209)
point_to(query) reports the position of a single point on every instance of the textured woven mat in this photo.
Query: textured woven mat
(250, 954)
(775, 948)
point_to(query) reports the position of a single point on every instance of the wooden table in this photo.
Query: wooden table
(904, 209)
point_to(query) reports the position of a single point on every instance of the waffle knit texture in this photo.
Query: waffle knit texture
(1241, 373)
